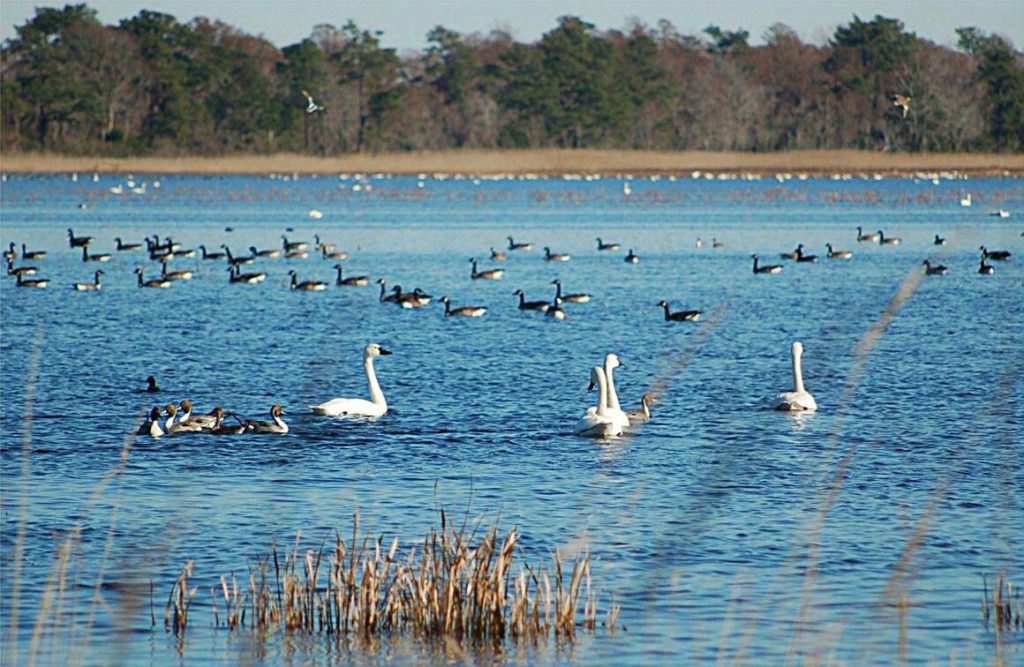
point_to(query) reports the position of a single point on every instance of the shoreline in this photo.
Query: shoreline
(540, 162)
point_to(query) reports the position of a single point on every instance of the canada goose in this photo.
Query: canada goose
(937, 270)
(498, 255)
(151, 386)
(306, 285)
(272, 253)
(767, 268)
(869, 237)
(20, 270)
(631, 258)
(174, 275)
(215, 256)
(293, 246)
(78, 241)
(311, 106)
(555, 310)
(337, 255)
(838, 254)
(10, 254)
(36, 283)
(183, 254)
(998, 255)
(351, 281)
(578, 297)
(601, 245)
(801, 257)
(794, 254)
(34, 254)
(98, 257)
(385, 296)
(126, 247)
(901, 103)
(556, 256)
(156, 282)
(236, 276)
(512, 245)
(939, 240)
(542, 306)
(90, 287)
(462, 311)
(984, 268)
(415, 299)
(489, 274)
(275, 426)
(887, 240)
(237, 261)
(322, 245)
(680, 315)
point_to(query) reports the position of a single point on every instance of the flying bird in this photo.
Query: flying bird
(901, 102)
(311, 105)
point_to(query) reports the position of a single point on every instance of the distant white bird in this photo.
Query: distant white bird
(799, 399)
(311, 106)
(966, 200)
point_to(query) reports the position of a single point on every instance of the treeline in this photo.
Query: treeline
(154, 86)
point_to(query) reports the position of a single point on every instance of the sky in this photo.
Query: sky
(405, 23)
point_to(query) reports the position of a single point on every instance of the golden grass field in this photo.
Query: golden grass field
(533, 161)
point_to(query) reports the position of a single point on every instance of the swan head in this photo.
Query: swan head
(798, 349)
(611, 360)
(374, 350)
(596, 375)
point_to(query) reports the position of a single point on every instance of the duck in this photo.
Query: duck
(151, 386)
(462, 311)
(602, 246)
(293, 246)
(276, 425)
(900, 102)
(498, 255)
(555, 256)
(555, 310)
(679, 315)
(306, 285)
(577, 297)
(359, 407)
(32, 254)
(596, 422)
(936, 270)
(888, 240)
(37, 283)
(801, 257)
(984, 268)
(998, 255)
(799, 399)
(20, 270)
(351, 281)
(699, 243)
(767, 268)
(251, 278)
(203, 422)
(525, 247)
(837, 254)
(716, 244)
(642, 414)
(98, 257)
(171, 426)
(220, 428)
(489, 274)
(542, 306)
(237, 261)
(126, 247)
(385, 296)
(313, 107)
(271, 253)
(632, 258)
(939, 240)
(151, 426)
(174, 275)
(90, 287)
(156, 282)
(868, 238)
(78, 241)
(211, 256)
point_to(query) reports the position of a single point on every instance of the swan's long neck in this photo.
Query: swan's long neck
(613, 397)
(602, 394)
(376, 395)
(798, 376)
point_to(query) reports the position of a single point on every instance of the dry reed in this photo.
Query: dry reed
(1004, 606)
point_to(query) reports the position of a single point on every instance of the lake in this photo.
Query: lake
(723, 530)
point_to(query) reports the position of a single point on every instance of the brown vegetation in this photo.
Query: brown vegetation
(539, 161)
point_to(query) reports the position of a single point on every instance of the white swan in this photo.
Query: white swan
(611, 362)
(799, 399)
(596, 422)
(356, 407)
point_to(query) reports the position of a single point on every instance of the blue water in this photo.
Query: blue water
(726, 532)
